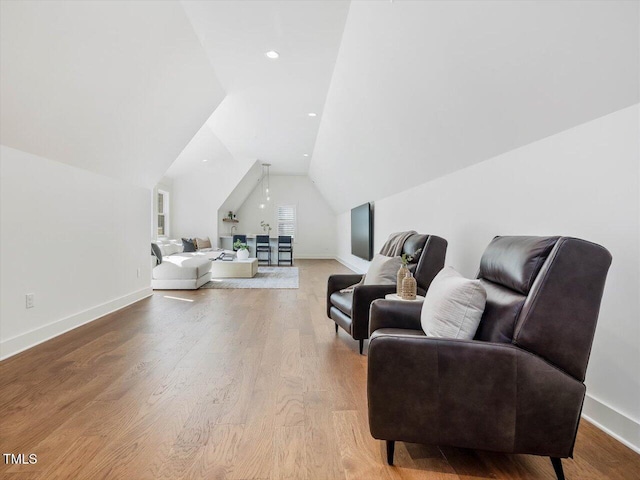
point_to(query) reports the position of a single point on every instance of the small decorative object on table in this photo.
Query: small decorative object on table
(409, 287)
(266, 228)
(242, 251)
(403, 272)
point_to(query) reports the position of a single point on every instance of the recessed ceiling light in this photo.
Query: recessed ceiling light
(305, 154)
(311, 114)
(205, 160)
(272, 54)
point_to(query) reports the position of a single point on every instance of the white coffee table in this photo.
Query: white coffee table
(235, 269)
(395, 296)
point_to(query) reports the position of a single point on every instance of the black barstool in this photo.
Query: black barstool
(263, 245)
(285, 246)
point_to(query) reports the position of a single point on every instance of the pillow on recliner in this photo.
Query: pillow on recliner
(453, 306)
(383, 270)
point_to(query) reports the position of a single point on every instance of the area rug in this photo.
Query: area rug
(267, 277)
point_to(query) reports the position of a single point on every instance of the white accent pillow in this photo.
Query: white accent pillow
(383, 270)
(453, 306)
(169, 249)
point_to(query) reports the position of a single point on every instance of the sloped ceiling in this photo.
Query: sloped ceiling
(205, 152)
(264, 115)
(118, 88)
(421, 89)
(242, 190)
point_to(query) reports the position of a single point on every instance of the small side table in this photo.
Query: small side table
(395, 296)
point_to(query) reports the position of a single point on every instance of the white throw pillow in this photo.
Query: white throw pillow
(383, 270)
(453, 306)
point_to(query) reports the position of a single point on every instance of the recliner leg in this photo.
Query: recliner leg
(336, 328)
(361, 346)
(391, 445)
(557, 467)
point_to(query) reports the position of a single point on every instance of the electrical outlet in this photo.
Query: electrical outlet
(30, 300)
(138, 272)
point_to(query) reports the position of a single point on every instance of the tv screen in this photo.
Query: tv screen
(362, 232)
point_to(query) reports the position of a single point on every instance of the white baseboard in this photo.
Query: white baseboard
(624, 429)
(20, 343)
(349, 265)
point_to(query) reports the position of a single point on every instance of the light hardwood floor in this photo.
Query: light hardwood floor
(230, 384)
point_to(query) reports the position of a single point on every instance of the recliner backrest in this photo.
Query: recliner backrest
(431, 257)
(543, 294)
(507, 270)
(558, 319)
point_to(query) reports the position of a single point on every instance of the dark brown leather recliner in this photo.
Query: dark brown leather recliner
(518, 386)
(351, 310)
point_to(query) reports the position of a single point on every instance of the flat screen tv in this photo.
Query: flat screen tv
(362, 231)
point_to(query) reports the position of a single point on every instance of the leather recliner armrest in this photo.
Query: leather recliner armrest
(394, 314)
(363, 296)
(470, 394)
(338, 282)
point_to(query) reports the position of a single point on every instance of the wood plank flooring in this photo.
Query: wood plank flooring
(230, 384)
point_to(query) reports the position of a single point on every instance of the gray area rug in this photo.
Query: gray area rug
(267, 277)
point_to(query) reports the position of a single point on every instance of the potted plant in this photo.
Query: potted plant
(242, 250)
(266, 228)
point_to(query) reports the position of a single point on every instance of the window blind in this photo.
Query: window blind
(286, 220)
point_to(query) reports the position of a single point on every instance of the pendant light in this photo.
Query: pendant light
(265, 196)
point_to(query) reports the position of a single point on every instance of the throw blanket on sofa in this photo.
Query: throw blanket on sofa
(391, 248)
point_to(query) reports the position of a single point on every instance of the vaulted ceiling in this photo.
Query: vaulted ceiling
(118, 88)
(422, 89)
(403, 91)
(264, 115)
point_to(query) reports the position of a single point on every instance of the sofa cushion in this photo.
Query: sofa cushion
(172, 248)
(188, 245)
(342, 301)
(202, 243)
(453, 306)
(177, 267)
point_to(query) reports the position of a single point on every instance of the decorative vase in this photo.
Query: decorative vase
(409, 287)
(242, 254)
(403, 272)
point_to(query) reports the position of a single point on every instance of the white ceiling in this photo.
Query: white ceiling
(118, 88)
(264, 115)
(421, 89)
(204, 152)
(404, 91)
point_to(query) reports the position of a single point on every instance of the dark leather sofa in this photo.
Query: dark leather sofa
(518, 386)
(351, 310)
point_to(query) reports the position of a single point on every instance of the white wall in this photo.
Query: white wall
(583, 182)
(198, 195)
(195, 206)
(73, 238)
(316, 223)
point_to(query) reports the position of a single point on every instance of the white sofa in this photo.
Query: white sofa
(180, 270)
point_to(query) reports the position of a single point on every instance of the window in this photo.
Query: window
(163, 213)
(287, 220)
